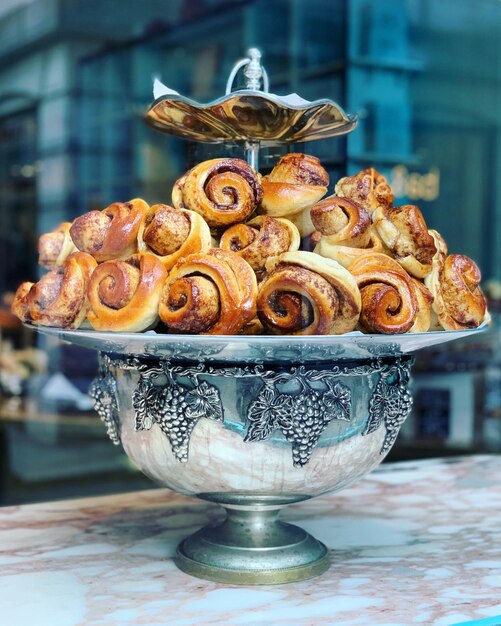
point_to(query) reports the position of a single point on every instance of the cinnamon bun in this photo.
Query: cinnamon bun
(261, 238)
(368, 188)
(303, 294)
(110, 233)
(455, 284)
(295, 184)
(55, 247)
(222, 191)
(211, 294)
(170, 233)
(124, 294)
(59, 298)
(344, 229)
(389, 300)
(404, 232)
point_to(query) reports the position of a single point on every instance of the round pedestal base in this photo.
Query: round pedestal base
(251, 547)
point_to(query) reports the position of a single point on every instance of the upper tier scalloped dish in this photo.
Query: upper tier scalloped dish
(245, 114)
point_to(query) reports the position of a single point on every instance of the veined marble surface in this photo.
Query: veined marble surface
(412, 543)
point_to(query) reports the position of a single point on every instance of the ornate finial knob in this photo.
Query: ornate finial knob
(254, 72)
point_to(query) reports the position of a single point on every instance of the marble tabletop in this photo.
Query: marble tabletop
(412, 543)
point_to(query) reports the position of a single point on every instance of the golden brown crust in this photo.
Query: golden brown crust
(389, 300)
(343, 220)
(124, 294)
(344, 230)
(346, 255)
(222, 191)
(211, 294)
(425, 299)
(404, 231)
(20, 306)
(459, 302)
(171, 234)
(55, 247)
(303, 294)
(60, 296)
(295, 184)
(368, 188)
(260, 239)
(110, 233)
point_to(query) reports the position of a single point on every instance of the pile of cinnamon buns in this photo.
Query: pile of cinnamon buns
(237, 252)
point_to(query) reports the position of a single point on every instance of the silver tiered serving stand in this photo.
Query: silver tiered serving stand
(253, 423)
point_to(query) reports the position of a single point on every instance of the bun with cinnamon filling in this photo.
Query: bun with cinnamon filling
(261, 238)
(455, 284)
(222, 191)
(368, 188)
(124, 294)
(171, 233)
(303, 294)
(60, 296)
(389, 300)
(344, 230)
(110, 233)
(55, 247)
(404, 231)
(295, 184)
(211, 294)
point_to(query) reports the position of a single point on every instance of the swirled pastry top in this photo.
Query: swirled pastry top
(59, 298)
(110, 233)
(261, 238)
(303, 294)
(222, 191)
(124, 294)
(404, 231)
(459, 302)
(389, 300)
(343, 221)
(369, 188)
(212, 293)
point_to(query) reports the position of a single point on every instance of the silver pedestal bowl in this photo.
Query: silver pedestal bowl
(253, 424)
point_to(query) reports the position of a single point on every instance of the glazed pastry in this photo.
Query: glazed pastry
(404, 232)
(368, 188)
(295, 184)
(303, 294)
(344, 230)
(222, 191)
(454, 282)
(389, 300)
(424, 315)
(260, 239)
(124, 294)
(211, 294)
(20, 306)
(170, 234)
(110, 233)
(55, 247)
(60, 296)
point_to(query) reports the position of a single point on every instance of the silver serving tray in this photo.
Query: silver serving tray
(248, 115)
(240, 349)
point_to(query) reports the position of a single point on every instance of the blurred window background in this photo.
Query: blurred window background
(75, 79)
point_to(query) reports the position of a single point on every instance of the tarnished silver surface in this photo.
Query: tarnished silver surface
(253, 438)
(191, 420)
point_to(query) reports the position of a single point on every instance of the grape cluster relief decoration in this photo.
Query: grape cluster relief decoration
(296, 403)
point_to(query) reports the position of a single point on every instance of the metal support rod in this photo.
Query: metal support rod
(252, 154)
